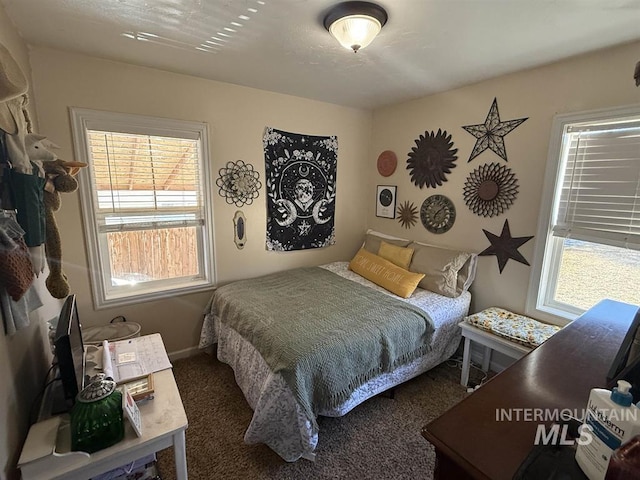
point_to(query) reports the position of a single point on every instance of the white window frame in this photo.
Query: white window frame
(548, 251)
(83, 120)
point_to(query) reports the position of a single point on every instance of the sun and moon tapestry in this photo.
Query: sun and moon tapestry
(301, 190)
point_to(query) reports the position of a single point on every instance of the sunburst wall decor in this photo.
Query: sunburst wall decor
(431, 159)
(490, 189)
(407, 214)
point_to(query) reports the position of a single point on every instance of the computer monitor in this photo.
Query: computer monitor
(69, 350)
(626, 363)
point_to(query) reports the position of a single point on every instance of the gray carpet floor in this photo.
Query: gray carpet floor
(379, 439)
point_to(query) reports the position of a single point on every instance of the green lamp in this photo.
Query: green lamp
(96, 417)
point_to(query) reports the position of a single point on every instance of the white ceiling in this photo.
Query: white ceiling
(427, 46)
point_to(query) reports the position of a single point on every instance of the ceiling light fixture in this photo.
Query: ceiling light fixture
(355, 24)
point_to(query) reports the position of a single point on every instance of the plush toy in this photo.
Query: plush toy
(60, 178)
(38, 148)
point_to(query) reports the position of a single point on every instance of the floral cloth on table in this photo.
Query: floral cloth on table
(517, 328)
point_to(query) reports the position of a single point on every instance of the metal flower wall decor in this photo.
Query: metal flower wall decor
(239, 183)
(431, 159)
(490, 189)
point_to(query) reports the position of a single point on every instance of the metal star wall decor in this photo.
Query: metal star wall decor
(407, 214)
(505, 247)
(491, 133)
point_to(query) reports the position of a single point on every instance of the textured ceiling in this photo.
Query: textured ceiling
(426, 47)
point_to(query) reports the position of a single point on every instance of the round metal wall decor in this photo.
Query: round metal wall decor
(490, 189)
(238, 183)
(437, 214)
(387, 163)
(431, 159)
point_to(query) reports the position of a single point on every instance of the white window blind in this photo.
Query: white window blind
(599, 197)
(144, 181)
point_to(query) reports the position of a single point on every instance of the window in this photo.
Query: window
(146, 205)
(590, 214)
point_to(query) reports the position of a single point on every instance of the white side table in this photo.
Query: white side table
(490, 342)
(163, 425)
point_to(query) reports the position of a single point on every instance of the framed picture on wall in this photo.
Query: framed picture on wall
(386, 201)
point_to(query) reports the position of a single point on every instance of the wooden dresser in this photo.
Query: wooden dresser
(472, 440)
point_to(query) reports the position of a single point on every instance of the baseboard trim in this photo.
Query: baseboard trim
(187, 352)
(499, 362)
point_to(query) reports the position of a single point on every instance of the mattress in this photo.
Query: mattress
(278, 420)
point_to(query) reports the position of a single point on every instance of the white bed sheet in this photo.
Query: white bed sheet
(278, 420)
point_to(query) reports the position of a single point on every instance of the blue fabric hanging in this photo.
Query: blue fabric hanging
(28, 198)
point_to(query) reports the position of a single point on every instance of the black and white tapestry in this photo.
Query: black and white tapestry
(301, 190)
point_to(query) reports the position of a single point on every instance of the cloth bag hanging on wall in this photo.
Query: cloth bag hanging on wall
(16, 271)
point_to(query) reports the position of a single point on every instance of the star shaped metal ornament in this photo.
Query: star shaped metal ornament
(505, 247)
(491, 133)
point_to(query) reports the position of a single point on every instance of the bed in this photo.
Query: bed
(287, 397)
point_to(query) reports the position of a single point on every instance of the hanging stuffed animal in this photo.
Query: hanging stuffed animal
(60, 178)
(38, 149)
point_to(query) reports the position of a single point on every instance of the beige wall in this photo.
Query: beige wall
(236, 117)
(598, 80)
(25, 355)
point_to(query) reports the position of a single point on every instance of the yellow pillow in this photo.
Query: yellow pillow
(385, 274)
(399, 256)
